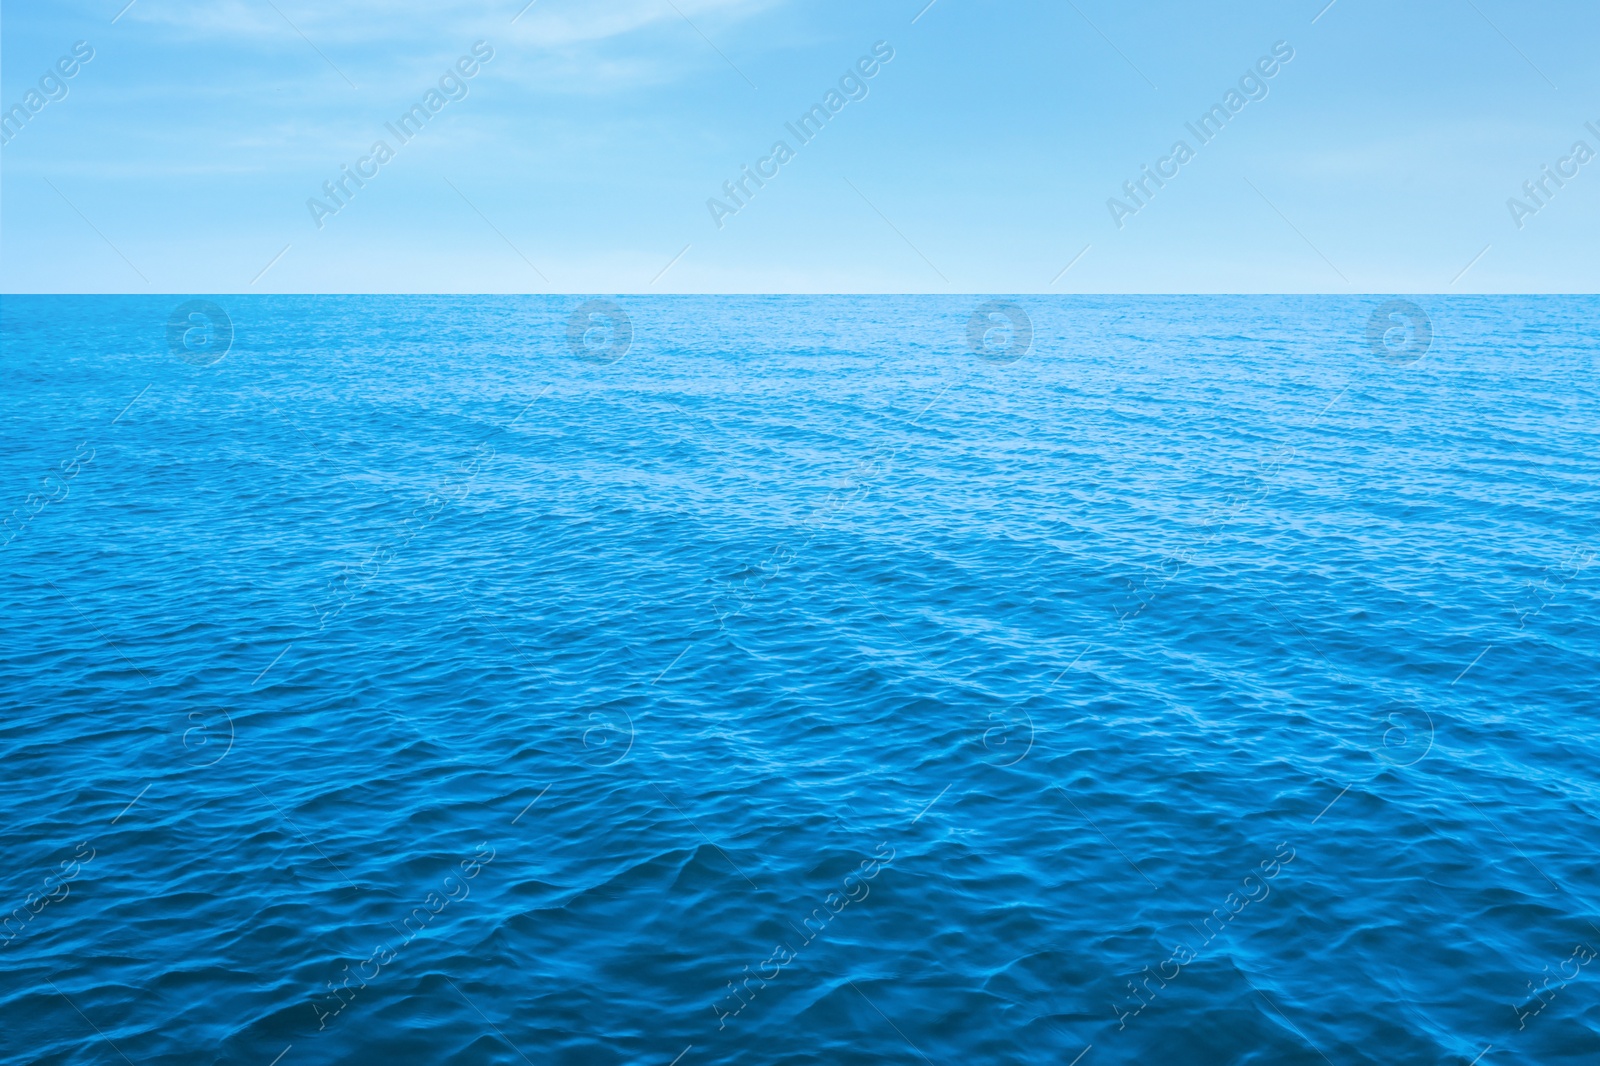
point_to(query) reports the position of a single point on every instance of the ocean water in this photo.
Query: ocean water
(430, 680)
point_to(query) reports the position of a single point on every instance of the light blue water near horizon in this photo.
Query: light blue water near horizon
(801, 687)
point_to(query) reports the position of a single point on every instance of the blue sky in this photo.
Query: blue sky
(981, 158)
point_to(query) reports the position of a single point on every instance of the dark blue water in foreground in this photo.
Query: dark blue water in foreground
(1203, 687)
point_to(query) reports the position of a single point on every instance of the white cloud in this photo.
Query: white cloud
(547, 24)
(558, 46)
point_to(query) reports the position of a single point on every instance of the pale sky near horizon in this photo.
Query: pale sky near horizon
(979, 158)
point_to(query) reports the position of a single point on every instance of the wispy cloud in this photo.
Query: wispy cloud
(360, 24)
(571, 47)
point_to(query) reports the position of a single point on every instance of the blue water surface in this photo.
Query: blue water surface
(803, 686)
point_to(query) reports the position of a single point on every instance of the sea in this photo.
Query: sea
(686, 680)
